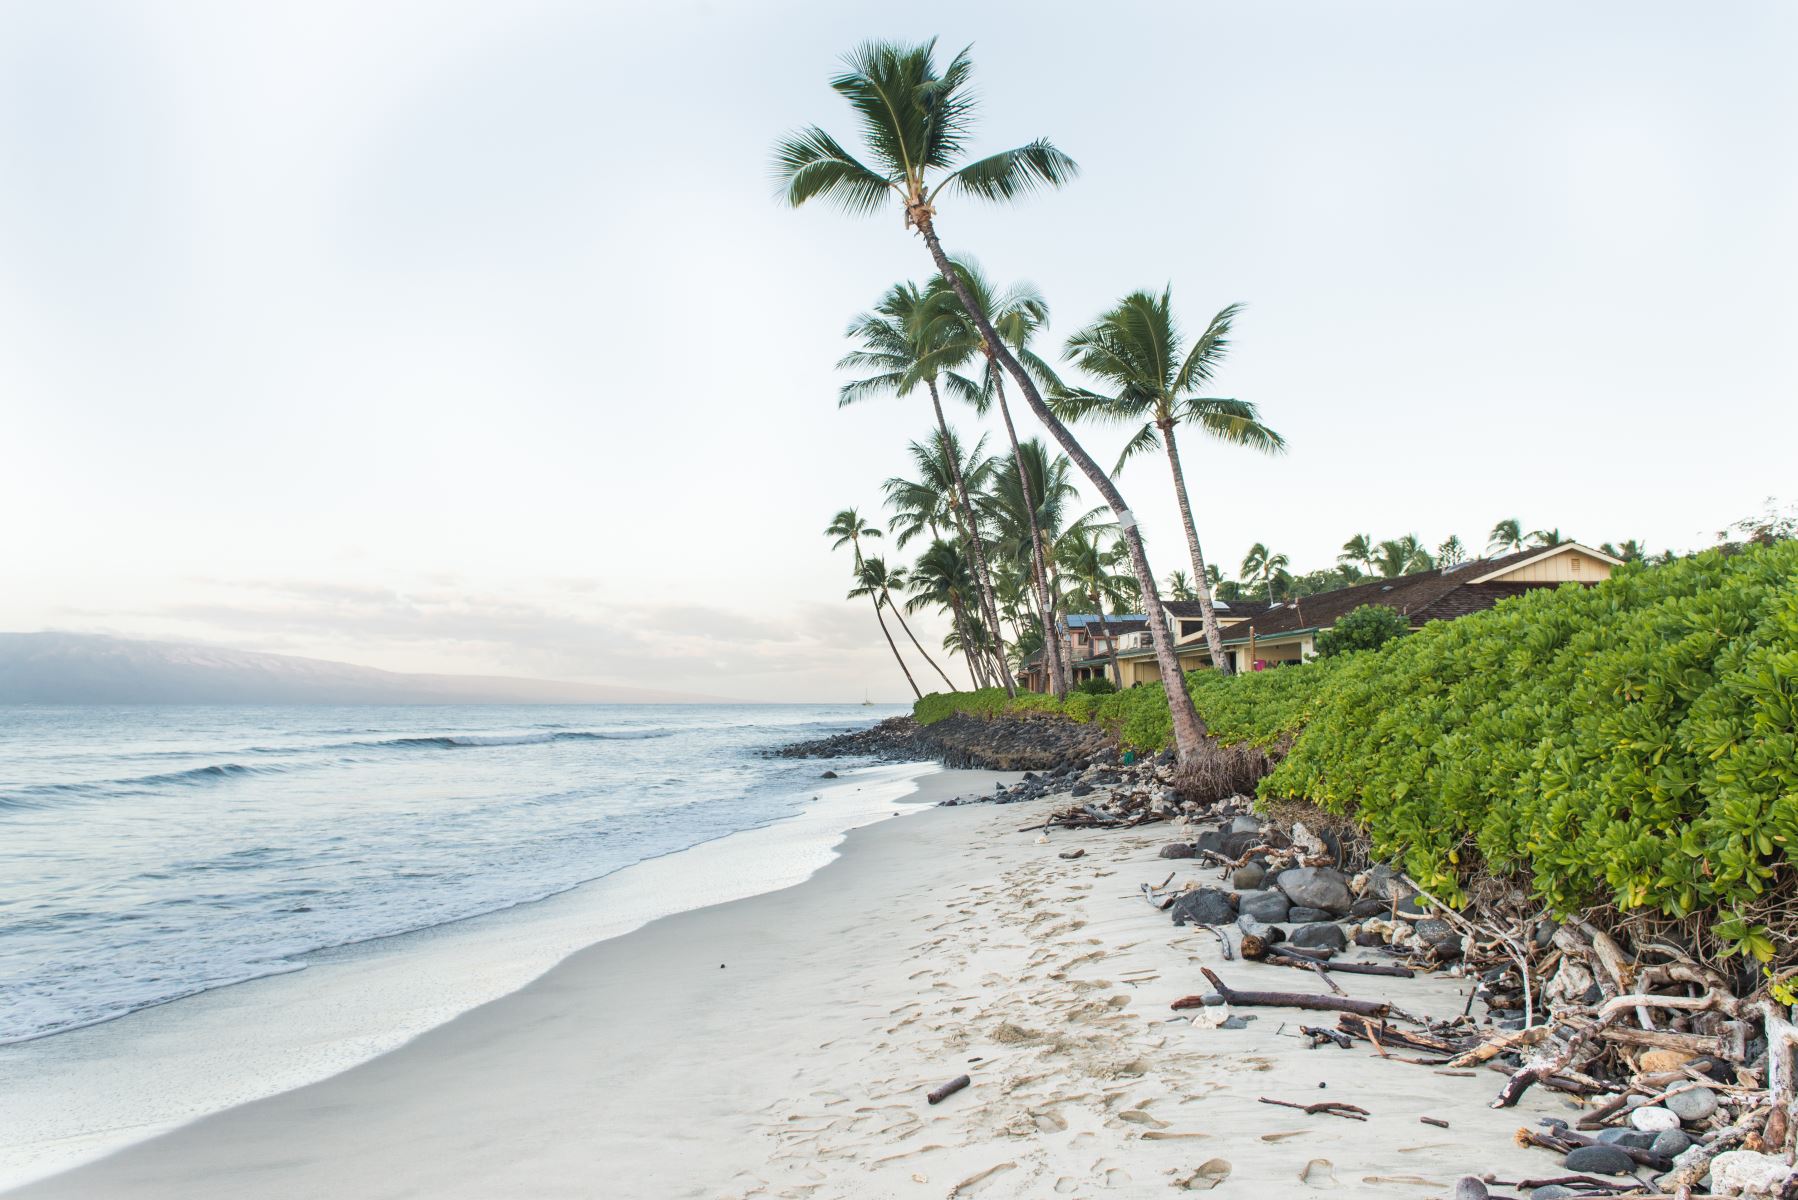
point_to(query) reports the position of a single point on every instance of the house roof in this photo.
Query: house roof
(1230, 610)
(1077, 620)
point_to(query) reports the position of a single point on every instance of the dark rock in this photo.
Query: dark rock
(1203, 906)
(1270, 934)
(1369, 938)
(1316, 887)
(1635, 1139)
(1440, 937)
(1082, 789)
(1248, 877)
(1307, 916)
(828, 775)
(1234, 1023)
(1412, 907)
(1077, 852)
(1320, 936)
(1270, 907)
(1553, 1191)
(1245, 824)
(1671, 1142)
(1545, 932)
(1368, 906)
(1693, 1104)
(1594, 994)
(1235, 845)
(1177, 850)
(1601, 1160)
(1211, 840)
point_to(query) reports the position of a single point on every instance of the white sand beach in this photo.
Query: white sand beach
(782, 1046)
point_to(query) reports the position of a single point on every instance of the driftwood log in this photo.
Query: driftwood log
(940, 1094)
(1345, 1004)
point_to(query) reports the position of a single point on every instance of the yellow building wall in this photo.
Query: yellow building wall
(1570, 566)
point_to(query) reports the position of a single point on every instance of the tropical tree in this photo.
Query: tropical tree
(1260, 565)
(929, 503)
(1506, 536)
(848, 528)
(1402, 556)
(1357, 551)
(1629, 551)
(871, 581)
(1028, 532)
(1450, 552)
(893, 579)
(1136, 350)
(1090, 568)
(1017, 313)
(916, 121)
(1547, 538)
(898, 341)
(941, 579)
(1179, 586)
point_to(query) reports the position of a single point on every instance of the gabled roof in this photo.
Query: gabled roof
(1488, 568)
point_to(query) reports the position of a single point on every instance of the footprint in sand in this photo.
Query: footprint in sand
(1318, 1173)
(1209, 1175)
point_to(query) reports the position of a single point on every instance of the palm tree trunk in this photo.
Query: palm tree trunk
(982, 579)
(1189, 730)
(975, 666)
(914, 639)
(1111, 650)
(895, 649)
(1058, 673)
(1214, 639)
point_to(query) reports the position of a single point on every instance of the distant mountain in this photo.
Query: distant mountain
(81, 668)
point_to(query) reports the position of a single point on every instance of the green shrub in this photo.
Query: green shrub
(1633, 743)
(1366, 628)
(985, 702)
(1096, 686)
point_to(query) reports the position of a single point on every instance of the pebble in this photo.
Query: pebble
(1693, 1105)
(1603, 1160)
(1652, 1118)
(1470, 1187)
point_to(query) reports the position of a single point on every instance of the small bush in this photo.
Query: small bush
(1097, 686)
(1366, 628)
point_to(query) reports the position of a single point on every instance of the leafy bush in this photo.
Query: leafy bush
(986, 702)
(1096, 686)
(1366, 628)
(1633, 743)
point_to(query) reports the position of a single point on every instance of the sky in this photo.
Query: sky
(470, 337)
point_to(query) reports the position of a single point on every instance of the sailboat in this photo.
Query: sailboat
(866, 703)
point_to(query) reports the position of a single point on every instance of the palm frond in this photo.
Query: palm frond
(1013, 173)
(1147, 438)
(1234, 421)
(1207, 352)
(811, 164)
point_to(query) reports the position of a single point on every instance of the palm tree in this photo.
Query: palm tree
(871, 581)
(1358, 550)
(1179, 587)
(1136, 350)
(1629, 551)
(940, 579)
(916, 121)
(899, 340)
(892, 579)
(929, 503)
(850, 527)
(1029, 532)
(1505, 537)
(1450, 552)
(1402, 556)
(1089, 564)
(1261, 565)
(1017, 313)
(1548, 538)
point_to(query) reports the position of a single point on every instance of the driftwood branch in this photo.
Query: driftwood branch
(1347, 1004)
(1329, 1108)
(940, 1094)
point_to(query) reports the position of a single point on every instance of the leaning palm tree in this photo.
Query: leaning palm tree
(893, 579)
(870, 581)
(1017, 313)
(916, 120)
(1506, 536)
(899, 341)
(928, 502)
(1136, 349)
(1357, 551)
(1089, 566)
(1261, 565)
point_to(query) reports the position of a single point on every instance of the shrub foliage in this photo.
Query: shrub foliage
(1633, 744)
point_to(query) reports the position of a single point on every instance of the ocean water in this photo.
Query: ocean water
(150, 854)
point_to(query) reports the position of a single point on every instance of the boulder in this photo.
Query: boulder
(1235, 845)
(1177, 850)
(1634, 1139)
(1321, 935)
(1271, 907)
(1600, 1160)
(1203, 906)
(1211, 840)
(1248, 877)
(1671, 1143)
(1439, 936)
(1306, 916)
(1746, 1173)
(1250, 927)
(828, 775)
(1245, 824)
(1368, 906)
(1316, 887)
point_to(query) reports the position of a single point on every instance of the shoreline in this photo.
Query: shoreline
(75, 1096)
(948, 943)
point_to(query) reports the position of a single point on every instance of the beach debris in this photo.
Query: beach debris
(1438, 1122)
(1347, 1004)
(1076, 852)
(943, 1092)
(1331, 1108)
